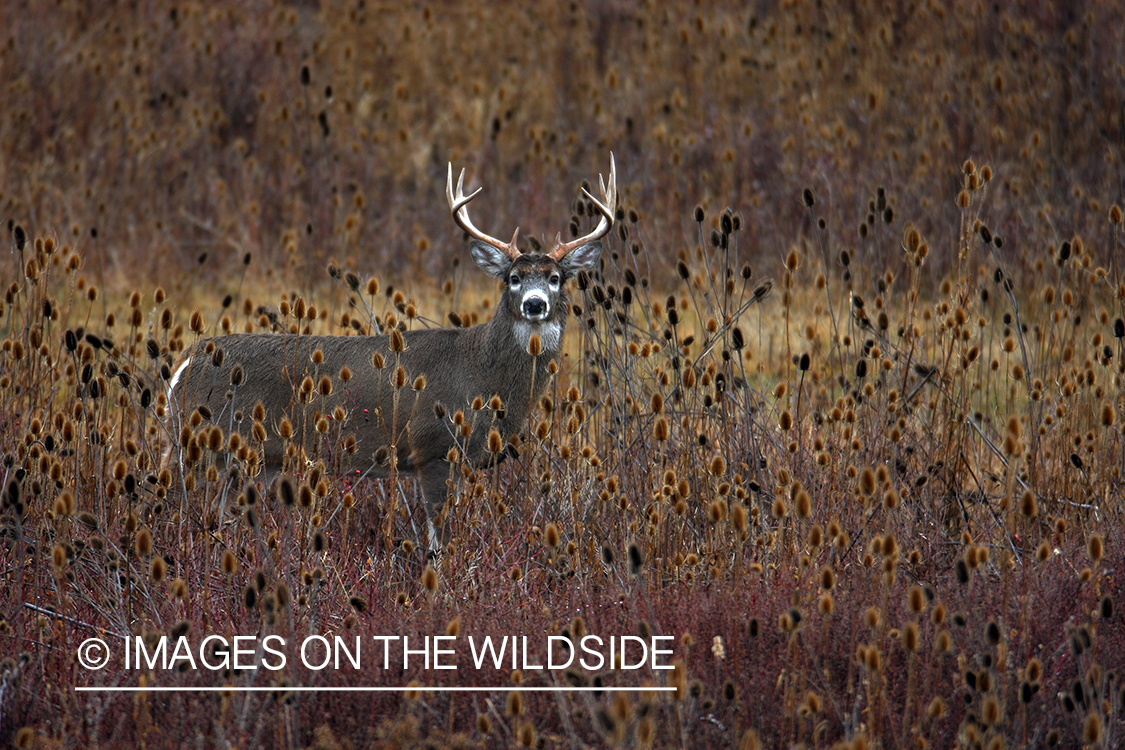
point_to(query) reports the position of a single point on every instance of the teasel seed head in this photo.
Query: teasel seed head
(398, 378)
(1095, 547)
(228, 563)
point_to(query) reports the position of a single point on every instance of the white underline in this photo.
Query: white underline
(370, 689)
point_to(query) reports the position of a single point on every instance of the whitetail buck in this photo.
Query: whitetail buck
(390, 420)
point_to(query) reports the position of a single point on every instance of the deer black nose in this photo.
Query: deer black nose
(534, 306)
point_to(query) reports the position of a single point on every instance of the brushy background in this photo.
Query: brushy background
(913, 537)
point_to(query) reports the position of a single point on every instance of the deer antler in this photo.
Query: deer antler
(457, 206)
(609, 193)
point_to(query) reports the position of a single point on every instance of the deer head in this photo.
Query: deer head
(534, 283)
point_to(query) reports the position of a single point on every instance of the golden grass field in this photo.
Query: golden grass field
(879, 507)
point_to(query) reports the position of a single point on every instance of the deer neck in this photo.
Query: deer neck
(503, 349)
(509, 333)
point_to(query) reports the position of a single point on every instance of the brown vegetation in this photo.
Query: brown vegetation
(882, 508)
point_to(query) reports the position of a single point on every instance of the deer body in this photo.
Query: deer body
(396, 425)
(459, 365)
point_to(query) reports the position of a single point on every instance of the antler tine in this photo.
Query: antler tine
(609, 193)
(457, 208)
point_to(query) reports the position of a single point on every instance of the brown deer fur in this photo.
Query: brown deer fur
(399, 429)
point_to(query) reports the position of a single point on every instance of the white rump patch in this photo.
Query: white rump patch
(179, 371)
(550, 334)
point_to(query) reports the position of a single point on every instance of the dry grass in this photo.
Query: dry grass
(881, 508)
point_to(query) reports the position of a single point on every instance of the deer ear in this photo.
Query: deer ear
(491, 261)
(581, 257)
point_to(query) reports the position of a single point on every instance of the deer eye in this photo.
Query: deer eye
(513, 280)
(554, 280)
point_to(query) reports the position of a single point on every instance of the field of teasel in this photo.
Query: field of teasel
(839, 411)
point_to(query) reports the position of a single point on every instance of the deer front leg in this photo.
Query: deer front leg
(434, 480)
